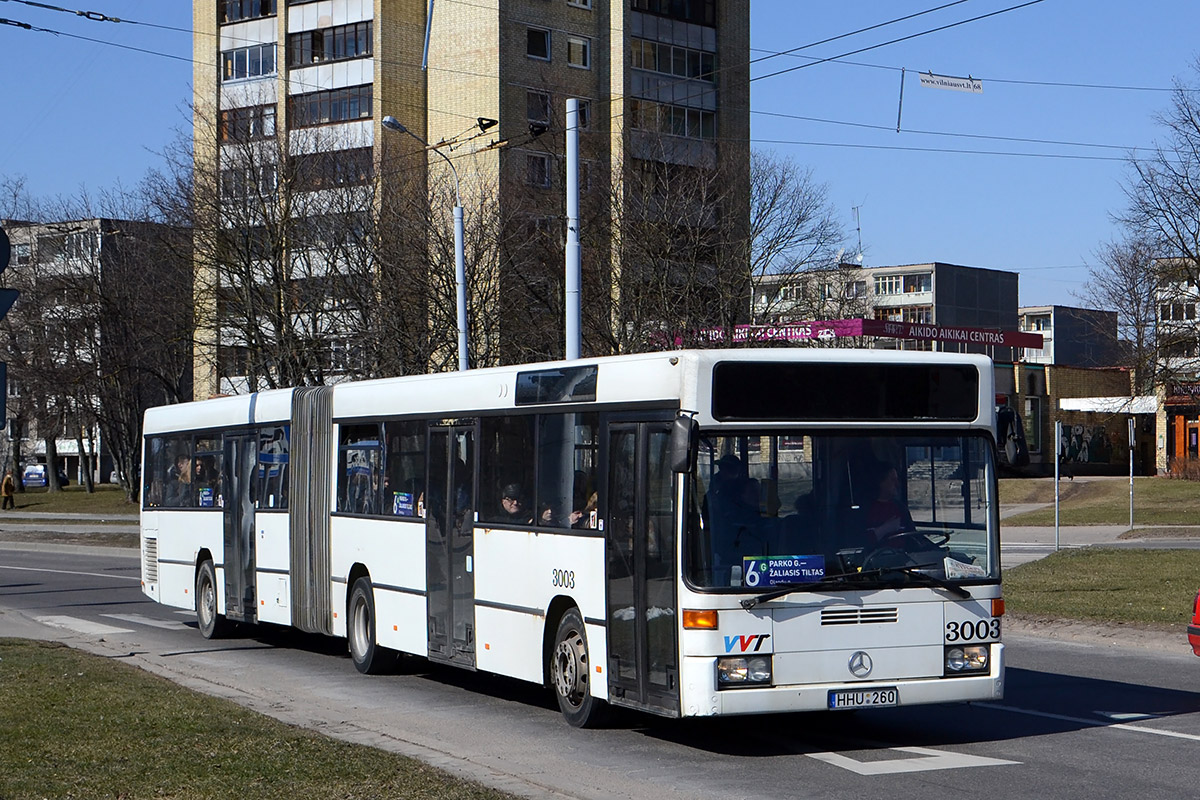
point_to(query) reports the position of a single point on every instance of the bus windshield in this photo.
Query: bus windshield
(802, 507)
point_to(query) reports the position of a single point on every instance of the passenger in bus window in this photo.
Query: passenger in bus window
(179, 491)
(585, 517)
(887, 514)
(733, 513)
(513, 510)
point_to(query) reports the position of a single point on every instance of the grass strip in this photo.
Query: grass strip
(79, 725)
(1156, 501)
(106, 499)
(1107, 584)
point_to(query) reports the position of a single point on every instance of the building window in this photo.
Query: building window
(855, 289)
(329, 44)
(21, 253)
(1039, 323)
(922, 315)
(673, 120)
(580, 3)
(537, 106)
(701, 12)
(667, 59)
(579, 52)
(537, 170)
(246, 124)
(240, 183)
(235, 10)
(890, 314)
(325, 107)
(248, 62)
(889, 284)
(334, 168)
(1177, 312)
(922, 282)
(79, 246)
(538, 43)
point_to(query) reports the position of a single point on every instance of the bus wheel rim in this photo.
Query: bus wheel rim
(571, 668)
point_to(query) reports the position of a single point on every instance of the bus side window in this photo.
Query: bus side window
(404, 468)
(506, 463)
(566, 470)
(155, 470)
(359, 474)
(273, 458)
(178, 488)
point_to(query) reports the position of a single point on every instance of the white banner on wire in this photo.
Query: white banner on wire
(968, 84)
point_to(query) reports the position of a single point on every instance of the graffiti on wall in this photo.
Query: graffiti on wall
(1087, 444)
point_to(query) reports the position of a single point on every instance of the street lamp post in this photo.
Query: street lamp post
(460, 272)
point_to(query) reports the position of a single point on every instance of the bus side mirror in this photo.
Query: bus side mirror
(685, 442)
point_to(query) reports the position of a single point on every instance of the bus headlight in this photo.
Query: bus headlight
(743, 671)
(964, 659)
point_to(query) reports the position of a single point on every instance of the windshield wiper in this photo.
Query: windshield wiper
(843, 578)
(914, 571)
(781, 589)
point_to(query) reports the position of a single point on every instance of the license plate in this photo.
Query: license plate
(867, 698)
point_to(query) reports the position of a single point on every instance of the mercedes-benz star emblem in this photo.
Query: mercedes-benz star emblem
(860, 665)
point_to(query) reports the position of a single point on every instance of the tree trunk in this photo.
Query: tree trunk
(52, 484)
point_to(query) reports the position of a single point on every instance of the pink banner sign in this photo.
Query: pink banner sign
(840, 328)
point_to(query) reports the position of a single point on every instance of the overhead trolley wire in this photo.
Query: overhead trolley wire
(900, 39)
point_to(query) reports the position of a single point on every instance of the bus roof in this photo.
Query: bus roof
(671, 378)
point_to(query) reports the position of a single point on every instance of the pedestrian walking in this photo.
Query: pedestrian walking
(8, 488)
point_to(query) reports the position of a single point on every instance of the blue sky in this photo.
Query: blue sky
(79, 113)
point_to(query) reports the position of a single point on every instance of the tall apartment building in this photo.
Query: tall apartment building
(98, 334)
(663, 82)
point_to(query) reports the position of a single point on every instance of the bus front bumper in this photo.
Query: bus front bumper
(701, 697)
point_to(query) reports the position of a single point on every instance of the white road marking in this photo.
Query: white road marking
(81, 626)
(138, 619)
(1121, 716)
(70, 572)
(929, 760)
(1095, 723)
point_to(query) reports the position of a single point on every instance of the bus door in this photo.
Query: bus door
(643, 668)
(238, 464)
(449, 544)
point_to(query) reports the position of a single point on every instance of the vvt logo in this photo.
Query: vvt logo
(743, 643)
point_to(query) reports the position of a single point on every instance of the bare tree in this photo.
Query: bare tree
(1163, 190)
(1127, 281)
(689, 267)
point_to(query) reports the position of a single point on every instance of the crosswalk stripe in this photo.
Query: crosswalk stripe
(81, 626)
(138, 619)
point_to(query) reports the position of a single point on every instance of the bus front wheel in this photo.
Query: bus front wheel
(369, 658)
(212, 625)
(570, 669)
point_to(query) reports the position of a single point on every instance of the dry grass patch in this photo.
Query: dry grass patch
(79, 725)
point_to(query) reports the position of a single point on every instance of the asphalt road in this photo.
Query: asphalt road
(1079, 720)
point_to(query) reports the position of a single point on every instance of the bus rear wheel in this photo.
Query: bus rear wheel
(570, 669)
(369, 658)
(212, 625)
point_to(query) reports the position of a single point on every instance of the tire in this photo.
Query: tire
(212, 625)
(369, 658)
(570, 673)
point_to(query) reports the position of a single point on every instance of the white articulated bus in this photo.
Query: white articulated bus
(688, 533)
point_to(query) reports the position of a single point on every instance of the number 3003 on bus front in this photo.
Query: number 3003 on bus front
(564, 578)
(983, 630)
